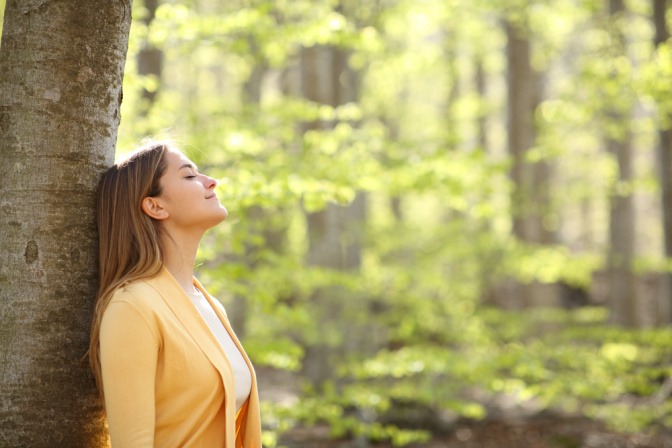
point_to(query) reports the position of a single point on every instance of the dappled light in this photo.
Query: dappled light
(450, 223)
(403, 237)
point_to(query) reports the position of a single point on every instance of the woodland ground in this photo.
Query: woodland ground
(530, 432)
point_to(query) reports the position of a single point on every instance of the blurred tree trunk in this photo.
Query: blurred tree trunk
(481, 90)
(395, 201)
(334, 233)
(150, 59)
(260, 222)
(622, 296)
(531, 192)
(61, 69)
(665, 166)
(453, 136)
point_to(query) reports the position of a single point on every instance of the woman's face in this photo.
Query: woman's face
(188, 200)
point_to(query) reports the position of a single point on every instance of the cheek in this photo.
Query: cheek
(177, 203)
(183, 194)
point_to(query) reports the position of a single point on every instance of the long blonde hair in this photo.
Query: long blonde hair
(129, 240)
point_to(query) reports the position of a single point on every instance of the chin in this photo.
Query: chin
(224, 213)
(221, 216)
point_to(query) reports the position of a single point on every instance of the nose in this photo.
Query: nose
(209, 182)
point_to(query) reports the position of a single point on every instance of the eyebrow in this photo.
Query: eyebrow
(187, 165)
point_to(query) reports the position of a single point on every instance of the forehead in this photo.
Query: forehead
(176, 160)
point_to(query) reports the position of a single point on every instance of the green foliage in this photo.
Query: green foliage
(331, 406)
(655, 76)
(407, 327)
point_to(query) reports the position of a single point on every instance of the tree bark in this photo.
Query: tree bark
(61, 69)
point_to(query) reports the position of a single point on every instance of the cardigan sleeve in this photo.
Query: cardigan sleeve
(128, 354)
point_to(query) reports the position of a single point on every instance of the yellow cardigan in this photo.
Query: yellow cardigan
(165, 375)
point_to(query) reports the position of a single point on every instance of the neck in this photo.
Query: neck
(179, 257)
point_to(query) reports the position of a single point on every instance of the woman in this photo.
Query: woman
(169, 367)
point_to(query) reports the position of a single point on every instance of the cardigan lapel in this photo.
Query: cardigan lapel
(251, 406)
(225, 321)
(246, 423)
(185, 311)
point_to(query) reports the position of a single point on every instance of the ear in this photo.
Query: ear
(153, 208)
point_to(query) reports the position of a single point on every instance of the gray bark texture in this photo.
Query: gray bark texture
(61, 69)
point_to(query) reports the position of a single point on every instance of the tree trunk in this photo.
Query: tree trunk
(150, 59)
(622, 294)
(256, 215)
(531, 193)
(454, 133)
(665, 173)
(530, 179)
(481, 89)
(622, 242)
(61, 69)
(334, 233)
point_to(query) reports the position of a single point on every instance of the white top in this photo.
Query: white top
(241, 372)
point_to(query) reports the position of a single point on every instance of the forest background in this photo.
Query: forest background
(439, 210)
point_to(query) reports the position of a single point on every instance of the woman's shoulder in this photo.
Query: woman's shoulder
(141, 293)
(135, 308)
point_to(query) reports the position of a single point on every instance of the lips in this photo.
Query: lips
(213, 195)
